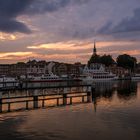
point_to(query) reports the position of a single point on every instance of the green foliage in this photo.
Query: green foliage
(126, 61)
(107, 60)
(94, 59)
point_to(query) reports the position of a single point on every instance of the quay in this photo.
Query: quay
(37, 97)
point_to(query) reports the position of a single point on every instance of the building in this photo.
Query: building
(18, 69)
(36, 67)
(39, 68)
(95, 58)
(4, 69)
(61, 69)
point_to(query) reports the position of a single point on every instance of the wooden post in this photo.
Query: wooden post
(64, 99)
(43, 103)
(35, 101)
(27, 107)
(83, 99)
(70, 100)
(0, 101)
(57, 101)
(9, 107)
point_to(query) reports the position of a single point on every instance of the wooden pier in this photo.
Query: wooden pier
(38, 97)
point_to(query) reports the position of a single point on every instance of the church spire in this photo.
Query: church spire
(94, 49)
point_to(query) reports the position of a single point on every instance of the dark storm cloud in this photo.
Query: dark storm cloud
(41, 6)
(128, 24)
(105, 29)
(11, 9)
(11, 25)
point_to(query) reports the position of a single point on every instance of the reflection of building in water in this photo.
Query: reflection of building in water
(126, 90)
(105, 88)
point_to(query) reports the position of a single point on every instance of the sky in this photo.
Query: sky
(65, 30)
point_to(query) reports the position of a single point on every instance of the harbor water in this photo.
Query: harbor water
(113, 114)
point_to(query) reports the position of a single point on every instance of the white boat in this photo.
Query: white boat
(135, 77)
(97, 73)
(44, 78)
(8, 82)
(7, 79)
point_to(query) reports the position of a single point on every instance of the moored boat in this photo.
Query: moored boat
(48, 78)
(5, 79)
(97, 73)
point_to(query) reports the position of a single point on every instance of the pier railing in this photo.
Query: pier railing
(38, 97)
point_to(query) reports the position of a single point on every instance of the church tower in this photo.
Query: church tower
(94, 49)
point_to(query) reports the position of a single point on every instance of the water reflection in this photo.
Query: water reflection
(122, 89)
(127, 90)
(106, 91)
(114, 119)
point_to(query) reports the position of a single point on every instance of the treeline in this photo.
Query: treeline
(124, 60)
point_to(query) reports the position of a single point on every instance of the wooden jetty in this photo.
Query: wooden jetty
(37, 97)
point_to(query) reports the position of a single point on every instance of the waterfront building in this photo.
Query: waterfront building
(18, 69)
(4, 69)
(61, 69)
(36, 67)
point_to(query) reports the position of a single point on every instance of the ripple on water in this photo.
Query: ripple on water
(112, 117)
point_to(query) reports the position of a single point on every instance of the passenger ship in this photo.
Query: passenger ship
(97, 73)
(43, 78)
(4, 79)
(8, 82)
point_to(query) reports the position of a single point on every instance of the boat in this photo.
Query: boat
(135, 77)
(47, 78)
(97, 72)
(43, 78)
(6, 82)
(5, 79)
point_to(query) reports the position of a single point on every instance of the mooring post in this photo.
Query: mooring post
(70, 100)
(27, 107)
(65, 96)
(9, 107)
(83, 99)
(57, 101)
(43, 103)
(35, 99)
(64, 99)
(0, 101)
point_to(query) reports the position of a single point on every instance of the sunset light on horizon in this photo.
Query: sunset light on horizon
(65, 30)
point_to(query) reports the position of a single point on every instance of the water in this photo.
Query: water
(114, 114)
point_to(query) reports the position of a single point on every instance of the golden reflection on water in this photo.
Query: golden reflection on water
(113, 114)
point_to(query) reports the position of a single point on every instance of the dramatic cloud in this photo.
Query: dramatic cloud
(127, 24)
(64, 30)
(11, 9)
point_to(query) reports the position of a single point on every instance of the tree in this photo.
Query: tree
(126, 61)
(107, 60)
(94, 59)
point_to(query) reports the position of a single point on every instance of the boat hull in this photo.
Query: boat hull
(59, 80)
(100, 79)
